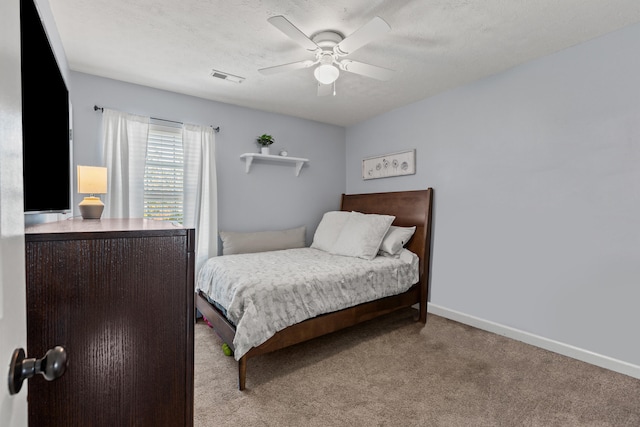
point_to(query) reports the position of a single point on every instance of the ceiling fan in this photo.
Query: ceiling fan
(330, 47)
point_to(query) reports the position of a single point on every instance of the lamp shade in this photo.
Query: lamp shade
(326, 73)
(92, 180)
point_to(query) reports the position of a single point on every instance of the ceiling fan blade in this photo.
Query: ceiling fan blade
(281, 23)
(287, 67)
(326, 90)
(363, 35)
(368, 70)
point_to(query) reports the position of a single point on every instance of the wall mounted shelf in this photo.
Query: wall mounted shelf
(249, 157)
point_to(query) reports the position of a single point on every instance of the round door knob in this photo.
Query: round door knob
(54, 363)
(51, 366)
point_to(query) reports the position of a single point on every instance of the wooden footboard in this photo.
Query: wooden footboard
(311, 328)
(411, 208)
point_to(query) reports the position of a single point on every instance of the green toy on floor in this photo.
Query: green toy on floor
(227, 350)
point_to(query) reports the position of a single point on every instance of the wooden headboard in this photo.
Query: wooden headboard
(410, 208)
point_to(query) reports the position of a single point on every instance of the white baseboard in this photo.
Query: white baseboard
(538, 341)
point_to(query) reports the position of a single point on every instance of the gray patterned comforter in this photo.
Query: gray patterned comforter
(265, 292)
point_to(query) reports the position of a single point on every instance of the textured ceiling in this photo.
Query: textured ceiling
(433, 46)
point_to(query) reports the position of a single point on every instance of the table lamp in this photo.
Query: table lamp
(92, 180)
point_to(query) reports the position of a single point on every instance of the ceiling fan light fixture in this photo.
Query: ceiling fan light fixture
(326, 73)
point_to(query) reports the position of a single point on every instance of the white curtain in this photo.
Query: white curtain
(200, 189)
(124, 141)
(125, 145)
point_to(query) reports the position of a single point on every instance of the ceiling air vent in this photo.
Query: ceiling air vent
(226, 76)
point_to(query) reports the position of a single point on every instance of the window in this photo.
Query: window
(164, 173)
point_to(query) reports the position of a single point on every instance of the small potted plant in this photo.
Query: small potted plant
(264, 141)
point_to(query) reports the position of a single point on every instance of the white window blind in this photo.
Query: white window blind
(164, 174)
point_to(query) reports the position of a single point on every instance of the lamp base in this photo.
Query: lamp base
(91, 207)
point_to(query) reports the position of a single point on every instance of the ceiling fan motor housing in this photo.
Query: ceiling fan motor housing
(327, 39)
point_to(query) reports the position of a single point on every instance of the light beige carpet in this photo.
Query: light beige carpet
(397, 372)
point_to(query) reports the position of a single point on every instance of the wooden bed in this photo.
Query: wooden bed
(411, 208)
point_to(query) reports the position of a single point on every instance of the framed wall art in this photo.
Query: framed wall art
(388, 165)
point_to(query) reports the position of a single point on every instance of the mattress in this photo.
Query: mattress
(263, 293)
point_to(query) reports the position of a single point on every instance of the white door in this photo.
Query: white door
(13, 323)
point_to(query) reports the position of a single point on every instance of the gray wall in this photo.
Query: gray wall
(270, 196)
(536, 173)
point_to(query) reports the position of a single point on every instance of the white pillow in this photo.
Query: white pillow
(329, 229)
(395, 239)
(260, 241)
(362, 235)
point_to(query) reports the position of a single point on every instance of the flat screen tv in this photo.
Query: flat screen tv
(46, 128)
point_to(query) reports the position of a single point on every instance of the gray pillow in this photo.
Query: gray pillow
(362, 235)
(329, 229)
(260, 241)
(395, 239)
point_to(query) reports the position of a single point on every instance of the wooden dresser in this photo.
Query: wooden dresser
(118, 295)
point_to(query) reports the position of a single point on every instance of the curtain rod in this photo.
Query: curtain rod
(96, 108)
